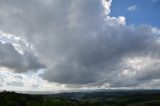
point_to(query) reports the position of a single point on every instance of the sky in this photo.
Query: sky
(137, 11)
(74, 45)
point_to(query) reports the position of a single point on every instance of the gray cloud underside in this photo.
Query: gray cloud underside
(12, 59)
(74, 41)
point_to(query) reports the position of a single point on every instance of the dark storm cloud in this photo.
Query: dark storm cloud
(101, 59)
(10, 58)
(79, 43)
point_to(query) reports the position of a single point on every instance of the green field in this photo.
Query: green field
(128, 98)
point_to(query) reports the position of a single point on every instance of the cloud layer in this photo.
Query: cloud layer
(10, 58)
(79, 43)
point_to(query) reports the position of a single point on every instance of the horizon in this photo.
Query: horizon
(80, 91)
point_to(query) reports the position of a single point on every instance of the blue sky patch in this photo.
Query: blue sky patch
(146, 12)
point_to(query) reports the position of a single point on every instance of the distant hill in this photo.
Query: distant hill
(94, 98)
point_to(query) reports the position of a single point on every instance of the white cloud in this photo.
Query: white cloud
(132, 8)
(107, 5)
(115, 21)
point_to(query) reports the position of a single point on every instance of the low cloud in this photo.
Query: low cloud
(12, 59)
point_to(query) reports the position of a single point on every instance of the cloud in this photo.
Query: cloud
(132, 8)
(14, 60)
(11, 59)
(14, 83)
(79, 43)
(28, 83)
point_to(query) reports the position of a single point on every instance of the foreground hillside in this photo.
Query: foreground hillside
(101, 98)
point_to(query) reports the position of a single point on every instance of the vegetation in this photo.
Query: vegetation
(81, 99)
